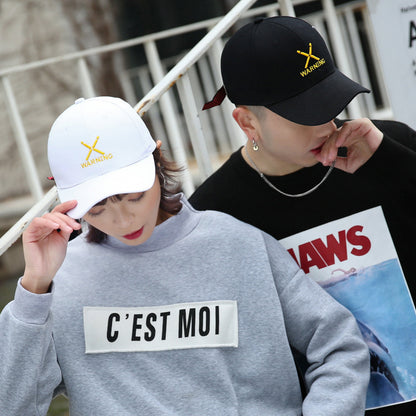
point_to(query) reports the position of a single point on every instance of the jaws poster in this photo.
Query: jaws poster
(354, 260)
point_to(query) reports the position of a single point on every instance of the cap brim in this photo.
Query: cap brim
(137, 177)
(320, 103)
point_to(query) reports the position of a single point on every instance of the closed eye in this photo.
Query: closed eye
(95, 213)
(136, 197)
(99, 208)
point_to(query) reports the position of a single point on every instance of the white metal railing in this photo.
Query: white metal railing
(182, 74)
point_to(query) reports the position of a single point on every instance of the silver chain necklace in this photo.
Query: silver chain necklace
(284, 193)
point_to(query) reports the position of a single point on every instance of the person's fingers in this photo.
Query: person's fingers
(66, 222)
(329, 150)
(41, 227)
(60, 212)
(64, 207)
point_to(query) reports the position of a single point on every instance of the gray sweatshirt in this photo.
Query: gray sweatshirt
(198, 320)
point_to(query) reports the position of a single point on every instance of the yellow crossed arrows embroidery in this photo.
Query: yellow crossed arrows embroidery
(92, 148)
(308, 55)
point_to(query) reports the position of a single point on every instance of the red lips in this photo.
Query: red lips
(134, 235)
(317, 149)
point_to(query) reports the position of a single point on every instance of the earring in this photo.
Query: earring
(255, 145)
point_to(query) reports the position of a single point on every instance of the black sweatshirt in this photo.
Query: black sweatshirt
(328, 232)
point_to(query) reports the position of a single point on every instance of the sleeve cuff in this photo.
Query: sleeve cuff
(29, 307)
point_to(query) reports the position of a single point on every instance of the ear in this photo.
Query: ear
(247, 121)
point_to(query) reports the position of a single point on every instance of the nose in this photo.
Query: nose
(122, 217)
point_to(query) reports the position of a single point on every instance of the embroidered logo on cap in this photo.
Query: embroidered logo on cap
(309, 55)
(91, 149)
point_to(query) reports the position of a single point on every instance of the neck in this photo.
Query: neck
(263, 177)
(267, 164)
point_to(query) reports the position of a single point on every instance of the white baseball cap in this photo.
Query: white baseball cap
(99, 147)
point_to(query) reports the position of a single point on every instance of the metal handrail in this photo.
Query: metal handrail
(193, 55)
(150, 98)
(203, 24)
(218, 26)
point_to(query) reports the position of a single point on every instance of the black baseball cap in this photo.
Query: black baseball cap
(283, 63)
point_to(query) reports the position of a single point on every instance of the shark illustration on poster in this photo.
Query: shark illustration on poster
(354, 260)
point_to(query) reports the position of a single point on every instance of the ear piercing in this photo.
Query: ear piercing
(255, 145)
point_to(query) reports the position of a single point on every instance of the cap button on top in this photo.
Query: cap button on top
(79, 100)
(258, 20)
